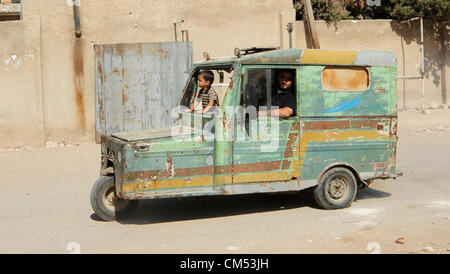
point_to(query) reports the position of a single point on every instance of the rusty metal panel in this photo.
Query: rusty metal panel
(339, 78)
(137, 85)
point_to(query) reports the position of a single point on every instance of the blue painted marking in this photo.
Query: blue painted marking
(345, 106)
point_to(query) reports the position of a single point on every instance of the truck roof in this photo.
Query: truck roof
(311, 56)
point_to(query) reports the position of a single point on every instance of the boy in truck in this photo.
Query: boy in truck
(207, 97)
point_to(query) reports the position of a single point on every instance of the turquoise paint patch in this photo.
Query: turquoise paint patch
(357, 153)
(345, 106)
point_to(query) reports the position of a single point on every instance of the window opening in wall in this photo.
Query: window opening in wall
(10, 10)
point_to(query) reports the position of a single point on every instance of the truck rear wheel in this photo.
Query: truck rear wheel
(337, 189)
(105, 202)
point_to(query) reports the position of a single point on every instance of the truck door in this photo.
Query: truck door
(265, 148)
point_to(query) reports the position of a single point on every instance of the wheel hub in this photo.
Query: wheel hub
(338, 187)
(111, 198)
(112, 202)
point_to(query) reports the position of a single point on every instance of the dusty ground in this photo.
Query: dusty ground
(44, 207)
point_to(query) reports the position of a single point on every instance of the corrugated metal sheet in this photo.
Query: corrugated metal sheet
(137, 85)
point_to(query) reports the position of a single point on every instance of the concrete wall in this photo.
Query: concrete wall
(21, 109)
(404, 40)
(68, 70)
(51, 97)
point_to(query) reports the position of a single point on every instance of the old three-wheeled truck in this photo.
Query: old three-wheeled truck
(341, 136)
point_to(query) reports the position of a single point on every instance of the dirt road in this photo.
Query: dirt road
(44, 208)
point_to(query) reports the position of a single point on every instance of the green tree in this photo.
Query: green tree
(434, 10)
(335, 10)
(328, 10)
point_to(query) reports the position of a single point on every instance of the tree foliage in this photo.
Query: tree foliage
(335, 10)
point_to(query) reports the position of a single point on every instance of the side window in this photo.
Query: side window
(268, 88)
(336, 78)
(256, 89)
(188, 96)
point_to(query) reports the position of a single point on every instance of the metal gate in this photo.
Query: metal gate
(137, 85)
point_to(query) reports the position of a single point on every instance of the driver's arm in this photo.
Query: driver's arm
(285, 112)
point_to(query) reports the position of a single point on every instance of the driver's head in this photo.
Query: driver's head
(285, 79)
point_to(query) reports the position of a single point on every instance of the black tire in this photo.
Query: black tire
(337, 189)
(106, 204)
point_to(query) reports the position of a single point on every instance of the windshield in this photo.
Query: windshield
(202, 97)
(219, 79)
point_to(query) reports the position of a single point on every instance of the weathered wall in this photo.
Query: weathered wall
(68, 71)
(21, 112)
(404, 40)
(51, 97)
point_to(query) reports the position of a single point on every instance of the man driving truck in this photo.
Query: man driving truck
(284, 97)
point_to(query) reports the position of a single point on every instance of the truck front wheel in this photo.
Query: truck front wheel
(105, 202)
(337, 189)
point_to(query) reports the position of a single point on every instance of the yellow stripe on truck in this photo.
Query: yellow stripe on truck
(329, 57)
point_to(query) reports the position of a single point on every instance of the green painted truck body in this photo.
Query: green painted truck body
(347, 128)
